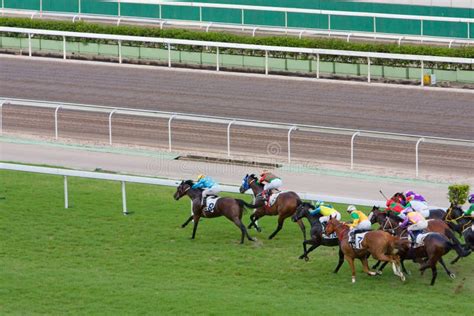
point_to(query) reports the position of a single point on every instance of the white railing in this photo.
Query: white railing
(154, 181)
(169, 42)
(300, 32)
(285, 10)
(228, 122)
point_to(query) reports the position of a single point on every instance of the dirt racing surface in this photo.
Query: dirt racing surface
(391, 109)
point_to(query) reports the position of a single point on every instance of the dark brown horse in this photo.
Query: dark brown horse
(225, 206)
(379, 244)
(284, 206)
(391, 224)
(317, 238)
(463, 225)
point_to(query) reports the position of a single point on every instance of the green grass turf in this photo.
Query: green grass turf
(90, 259)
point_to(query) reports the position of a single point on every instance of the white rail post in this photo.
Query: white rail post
(217, 58)
(293, 128)
(41, 8)
(118, 7)
(159, 11)
(228, 137)
(200, 15)
(169, 55)
(56, 122)
(266, 62)
(120, 51)
(329, 25)
(110, 125)
(169, 131)
(1, 116)
(368, 70)
(416, 156)
(286, 22)
(242, 18)
(421, 28)
(79, 9)
(352, 148)
(124, 199)
(64, 47)
(29, 44)
(66, 197)
(375, 27)
(422, 73)
(468, 30)
(317, 66)
(3, 7)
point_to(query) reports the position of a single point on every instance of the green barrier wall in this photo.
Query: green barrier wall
(230, 61)
(407, 27)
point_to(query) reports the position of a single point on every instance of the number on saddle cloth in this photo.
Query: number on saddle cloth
(211, 203)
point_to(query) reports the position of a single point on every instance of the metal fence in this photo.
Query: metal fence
(65, 173)
(229, 122)
(329, 15)
(368, 56)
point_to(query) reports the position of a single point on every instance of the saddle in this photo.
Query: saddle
(420, 238)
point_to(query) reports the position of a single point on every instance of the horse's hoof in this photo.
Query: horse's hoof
(259, 229)
(353, 280)
(402, 277)
(306, 259)
(452, 276)
(371, 273)
(378, 272)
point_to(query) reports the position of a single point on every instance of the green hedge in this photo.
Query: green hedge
(337, 44)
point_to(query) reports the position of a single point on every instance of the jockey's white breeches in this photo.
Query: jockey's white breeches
(335, 215)
(421, 208)
(364, 225)
(211, 191)
(418, 226)
(275, 184)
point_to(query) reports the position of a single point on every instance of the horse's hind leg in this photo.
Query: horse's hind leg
(450, 274)
(281, 220)
(253, 221)
(187, 221)
(314, 244)
(242, 228)
(340, 262)
(365, 266)
(431, 263)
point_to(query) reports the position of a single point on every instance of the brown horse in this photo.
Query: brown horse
(463, 225)
(379, 244)
(284, 206)
(225, 206)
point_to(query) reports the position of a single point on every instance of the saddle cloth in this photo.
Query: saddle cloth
(273, 198)
(420, 239)
(211, 203)
(358, 238)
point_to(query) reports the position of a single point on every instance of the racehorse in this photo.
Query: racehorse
(379, 244)
(462, 225)
(391, 224)
(231, 208)
(284, 206)
(316, 233)
(435, 246)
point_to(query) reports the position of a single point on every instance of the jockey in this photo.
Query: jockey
(325, 210)
(270, 182)
(470, 210)
(417, 203)
(415, 223)
(394, 206)
(209, 186)
(360, 222)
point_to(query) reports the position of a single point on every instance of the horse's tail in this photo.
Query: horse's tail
(243, 204)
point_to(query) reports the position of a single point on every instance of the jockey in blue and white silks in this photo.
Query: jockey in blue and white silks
(209, 186)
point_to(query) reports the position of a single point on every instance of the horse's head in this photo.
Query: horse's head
(302, 211)
(454, 212)
(374, 214)
(245, 184)
(182, 189)
(331, 225)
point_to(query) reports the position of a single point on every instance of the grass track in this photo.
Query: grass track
(90, 259)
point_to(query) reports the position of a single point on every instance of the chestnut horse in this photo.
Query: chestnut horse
(379, 244)
(231, 208)
(316, 233)
(284, 206)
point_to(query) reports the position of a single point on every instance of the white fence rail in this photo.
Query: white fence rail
(229, 122)
(154, 181)
(169, 42)
(284, 10)
(253, 29)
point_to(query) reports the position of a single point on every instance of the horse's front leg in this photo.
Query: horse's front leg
(196, 222)
(302, 227)
(450, 274)
(281, 220)
(187, 221)
(340, 262)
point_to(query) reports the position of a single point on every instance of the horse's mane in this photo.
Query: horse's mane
(189, 182)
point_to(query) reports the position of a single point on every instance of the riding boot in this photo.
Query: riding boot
(413, 238)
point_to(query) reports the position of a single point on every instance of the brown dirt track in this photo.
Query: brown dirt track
(431, 113)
